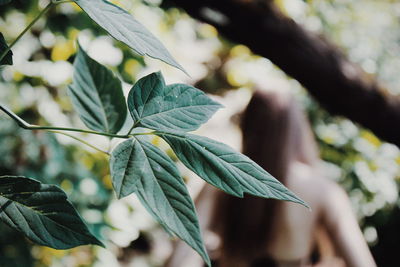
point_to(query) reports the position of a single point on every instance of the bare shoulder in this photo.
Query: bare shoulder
(313, 187)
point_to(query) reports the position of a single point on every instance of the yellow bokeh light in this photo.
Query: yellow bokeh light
(72, 34)
(370, 138)
(66, 185)
(208, 31)
(131, 67)
(87, 161)
(107, 181)
(75, 6)
(62, 50)
(236, 78)
(373, 166)
(18, 76)
(398, 160)
(240, 50)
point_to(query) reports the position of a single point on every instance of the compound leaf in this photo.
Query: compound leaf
(154, 105)
(223, 167)
(97, 95)
(42, 213)
(125, 28)
(7, 60)
(141, 168)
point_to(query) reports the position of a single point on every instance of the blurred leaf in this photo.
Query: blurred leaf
(42, 213)
(177, 106)
(7, 60)
(139, 167)
(125, 28)
(97, 95)
(221, 166)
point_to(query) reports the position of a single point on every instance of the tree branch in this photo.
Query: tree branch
(337, 84)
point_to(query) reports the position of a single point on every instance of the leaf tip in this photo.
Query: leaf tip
(298, 200)
(5, 52)
(99, 243)
(219, 105)
(306, 205)
(158, 76)
(119, 195)
(80, 48)
(184, 71)
(207, 260)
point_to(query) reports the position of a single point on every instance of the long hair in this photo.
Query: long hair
(275, 133)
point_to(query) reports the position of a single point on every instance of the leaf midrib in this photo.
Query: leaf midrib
(97, 65)
(232, 171)
(169, 203)
(41, 214)
(171, 110)
(124, 177)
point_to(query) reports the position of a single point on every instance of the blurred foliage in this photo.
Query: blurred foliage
(35, 87)
(79, 173)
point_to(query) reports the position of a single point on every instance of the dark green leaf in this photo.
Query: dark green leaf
(221, 166)
(177, 106)
(42, 213)
(3, 2)
(123, 27)
(7, 60)
(97, 95)
(126, 162)
(139, 167)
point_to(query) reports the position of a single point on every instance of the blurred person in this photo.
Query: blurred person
(258, 232)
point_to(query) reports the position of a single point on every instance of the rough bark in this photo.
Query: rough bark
(337, 84)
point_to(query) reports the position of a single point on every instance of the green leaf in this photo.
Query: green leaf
(125, 28)
(154, 105)
(97, 95)
(223, 167)
(42, 213)
(126, 162)
(139, 167)
(7, 60)
(3, 2)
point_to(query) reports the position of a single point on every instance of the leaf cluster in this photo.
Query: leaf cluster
(137, 166)
(43, 213)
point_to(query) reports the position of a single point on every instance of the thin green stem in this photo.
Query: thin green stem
(23, 124)
(49, 5)
(61, 1)
(51, 128)
(82, 141)
(133, 127)
(149, 133)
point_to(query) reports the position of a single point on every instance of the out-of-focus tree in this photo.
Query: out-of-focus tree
(339, 85)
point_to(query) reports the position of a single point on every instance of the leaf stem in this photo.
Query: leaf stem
(131, 129)
(81, 140)
(149, 133)
(61, 1)
(51, 128)
(49, 5)
(133, 126)
(23, 124)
